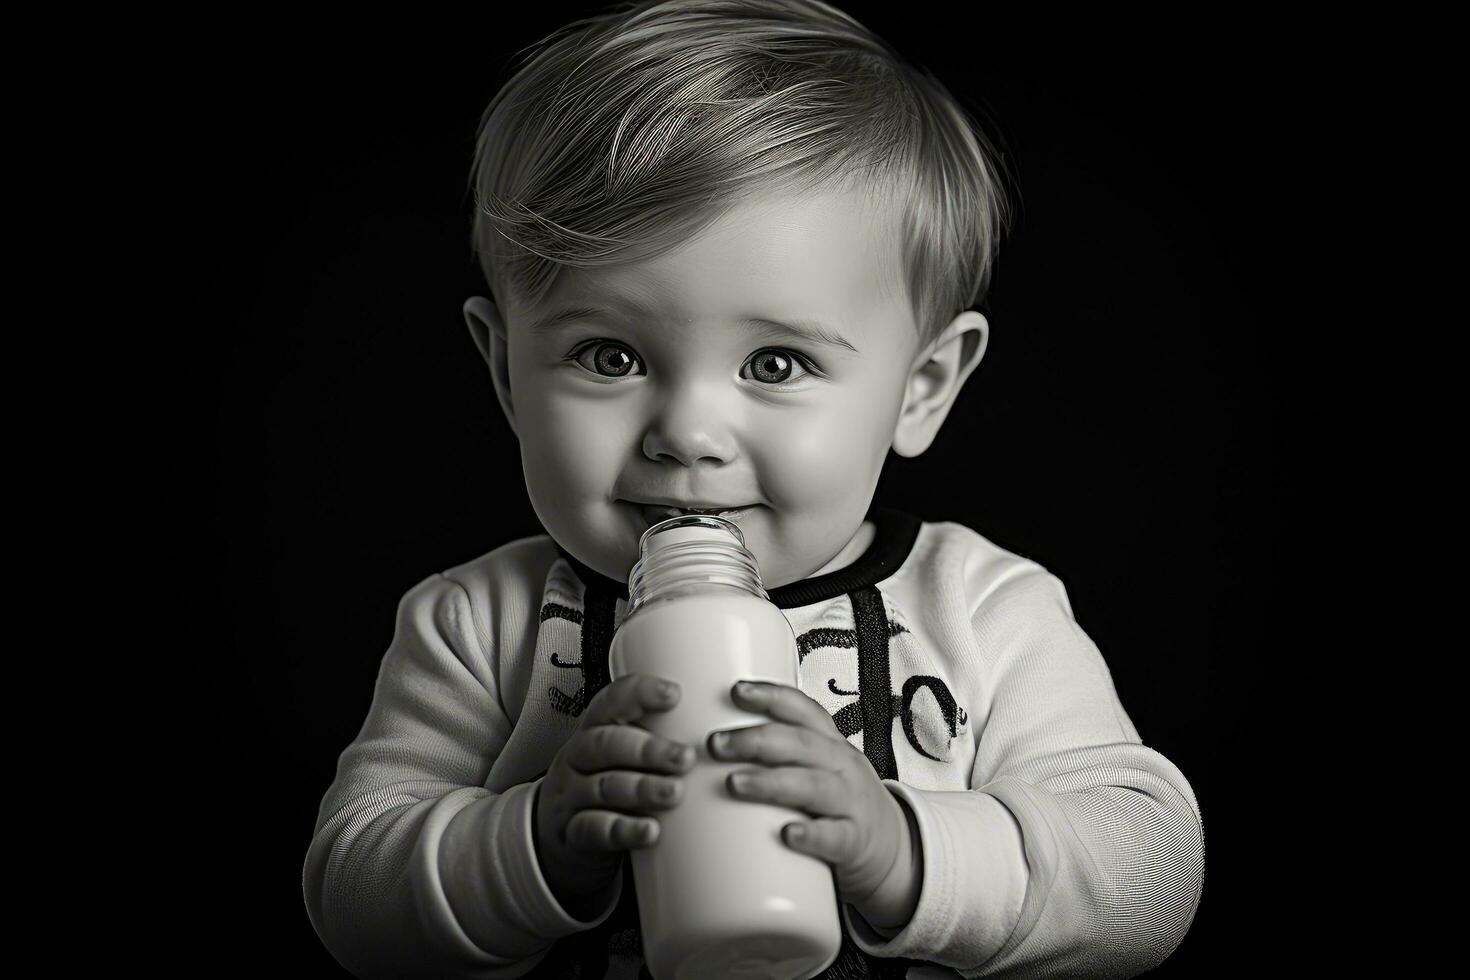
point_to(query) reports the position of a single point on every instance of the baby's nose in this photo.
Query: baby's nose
(687, 429)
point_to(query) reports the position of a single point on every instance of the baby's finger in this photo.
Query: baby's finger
(626, 747)
(787, 704)
(776, 743)
(835, 841)
(815, 791)
(601, 830)
(629, 698)
(634, 793)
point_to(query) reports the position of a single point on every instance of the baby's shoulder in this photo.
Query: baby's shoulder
(949, 555)
(517, 567)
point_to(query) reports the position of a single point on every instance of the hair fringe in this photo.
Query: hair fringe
(620, 135)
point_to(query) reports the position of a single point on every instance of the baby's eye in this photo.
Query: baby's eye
(609, 359)
(772, 365)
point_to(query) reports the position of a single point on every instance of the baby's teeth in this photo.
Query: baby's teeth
(681, 511)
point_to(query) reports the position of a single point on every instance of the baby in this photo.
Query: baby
(736, 250)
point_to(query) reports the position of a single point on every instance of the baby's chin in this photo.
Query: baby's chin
(788, 569)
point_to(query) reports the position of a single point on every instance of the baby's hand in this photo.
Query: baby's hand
(593, 802)
(819, 772)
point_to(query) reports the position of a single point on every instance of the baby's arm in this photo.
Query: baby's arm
(376, 879)
(1078, 851)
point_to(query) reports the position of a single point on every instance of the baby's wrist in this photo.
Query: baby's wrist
(459, 861)
(891, 905)
(582, 895)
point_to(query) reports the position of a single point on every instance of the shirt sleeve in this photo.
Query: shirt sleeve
(375, 872)
(1078, 851)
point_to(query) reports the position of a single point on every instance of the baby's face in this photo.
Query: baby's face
(673, 380)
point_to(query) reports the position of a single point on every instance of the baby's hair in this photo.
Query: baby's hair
(620, 136)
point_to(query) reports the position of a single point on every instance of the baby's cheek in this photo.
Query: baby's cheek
(820, 461)
(567, 459)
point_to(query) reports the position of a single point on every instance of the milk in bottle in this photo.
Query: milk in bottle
(719, 894)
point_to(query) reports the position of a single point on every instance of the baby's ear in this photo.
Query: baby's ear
(935, 380)
(488, 330)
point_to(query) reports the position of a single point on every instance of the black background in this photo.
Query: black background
(1145, 423)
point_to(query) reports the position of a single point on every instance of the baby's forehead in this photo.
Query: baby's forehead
(821, 265)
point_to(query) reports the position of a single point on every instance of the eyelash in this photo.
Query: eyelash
(795, 356)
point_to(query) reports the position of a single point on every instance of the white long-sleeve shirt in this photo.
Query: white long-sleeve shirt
(1053, 843)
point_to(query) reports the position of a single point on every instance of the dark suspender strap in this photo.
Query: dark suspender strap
(875, 698)
(875, 692)
(598, 609)
(585, 954)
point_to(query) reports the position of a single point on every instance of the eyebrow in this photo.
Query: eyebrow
(810, 329)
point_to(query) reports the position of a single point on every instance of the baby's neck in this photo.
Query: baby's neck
(851, 552)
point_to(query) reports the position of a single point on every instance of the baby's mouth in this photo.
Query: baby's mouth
(653, 513)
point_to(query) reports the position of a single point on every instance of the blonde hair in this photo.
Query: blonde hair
(621, 135)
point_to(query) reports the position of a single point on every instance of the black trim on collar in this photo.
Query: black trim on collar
(895, 532)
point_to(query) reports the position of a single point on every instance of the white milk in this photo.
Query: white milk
(719, 894)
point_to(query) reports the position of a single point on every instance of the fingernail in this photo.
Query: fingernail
(720, 741)
(744, 690)
(679, 755)
(667, 689)
(739, 781)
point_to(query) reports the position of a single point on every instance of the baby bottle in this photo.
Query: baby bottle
(719, 894)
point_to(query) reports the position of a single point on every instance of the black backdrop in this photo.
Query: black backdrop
(1144, 423)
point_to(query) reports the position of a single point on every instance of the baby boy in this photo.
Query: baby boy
(736, 250)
